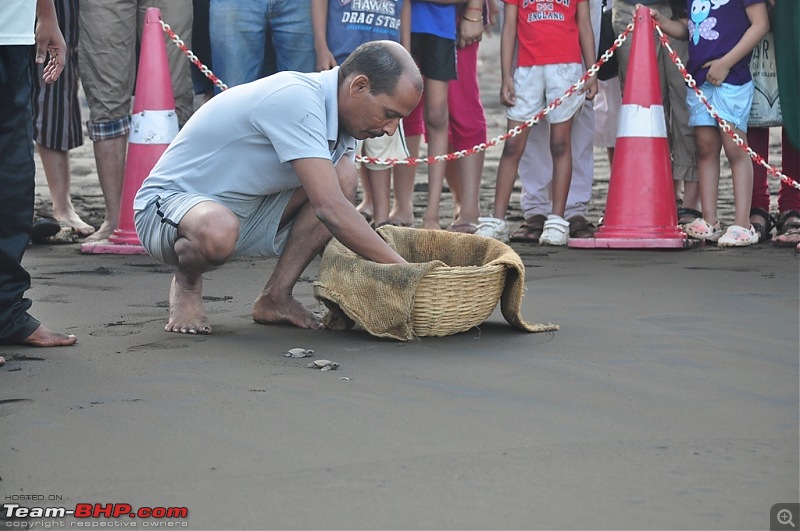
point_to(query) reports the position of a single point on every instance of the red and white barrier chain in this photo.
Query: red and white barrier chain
(725, 126)
(605, 57)
(192, 57)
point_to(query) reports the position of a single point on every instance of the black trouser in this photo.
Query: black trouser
(17, 173)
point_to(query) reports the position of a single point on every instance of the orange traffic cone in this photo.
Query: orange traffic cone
(153, 126)
(640, 207)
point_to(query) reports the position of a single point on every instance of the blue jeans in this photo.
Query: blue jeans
(251, 39)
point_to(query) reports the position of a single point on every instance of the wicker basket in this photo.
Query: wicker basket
(450, 300)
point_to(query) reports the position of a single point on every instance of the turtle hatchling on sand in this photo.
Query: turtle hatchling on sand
(299, 353)
(323, 365)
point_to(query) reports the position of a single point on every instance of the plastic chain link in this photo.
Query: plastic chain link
(604, 57)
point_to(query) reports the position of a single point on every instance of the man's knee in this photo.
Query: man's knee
(214, 235)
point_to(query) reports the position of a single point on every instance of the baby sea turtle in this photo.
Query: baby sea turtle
(323, 365)
(299, 353)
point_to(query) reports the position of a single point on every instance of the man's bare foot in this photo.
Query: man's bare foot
(273, 309)
(103, 233)
(186, 312)
(71, 217)
(44, 337)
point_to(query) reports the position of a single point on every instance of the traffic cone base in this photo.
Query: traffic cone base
(629, 243)
(105, 247)
(640, 205)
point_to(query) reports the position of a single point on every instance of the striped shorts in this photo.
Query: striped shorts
(56, 107)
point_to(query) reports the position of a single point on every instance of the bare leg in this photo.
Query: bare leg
(380, 184)
(56, 169)
(469, 170)
(403, 211)
(742, 176)
(307, 238)
(709, 144)
(207, 237)
(365, 206)
(691, 194)
(109, 155)
(436, 119)
(44, 337)
(276, 303)
(454, 183)
(507, 170)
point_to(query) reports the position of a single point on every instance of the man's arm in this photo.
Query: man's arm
(49, 40)
(321, 184)
(588, 48)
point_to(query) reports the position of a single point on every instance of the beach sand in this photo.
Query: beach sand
(667, 400)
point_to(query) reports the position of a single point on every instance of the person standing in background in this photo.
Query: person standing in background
(251, 39)
(18, 18)
(57, 127)
(339, 28)
(673, 94)
(109, 33)
(536, 167)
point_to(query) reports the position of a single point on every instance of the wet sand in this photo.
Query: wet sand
(668, 399)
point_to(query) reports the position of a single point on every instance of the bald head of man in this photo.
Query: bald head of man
(379, 84)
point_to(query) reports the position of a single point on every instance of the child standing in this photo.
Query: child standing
(722, 35)
(553, 37)
(339, 28)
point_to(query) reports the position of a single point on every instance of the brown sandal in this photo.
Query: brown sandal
(579, 227)
(788, 230)
(530, 230)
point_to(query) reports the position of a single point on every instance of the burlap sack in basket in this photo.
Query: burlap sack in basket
(380, 297)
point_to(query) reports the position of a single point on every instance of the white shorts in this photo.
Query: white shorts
(384, 147)
(537, 86)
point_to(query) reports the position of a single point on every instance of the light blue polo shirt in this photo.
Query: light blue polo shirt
(239, 145)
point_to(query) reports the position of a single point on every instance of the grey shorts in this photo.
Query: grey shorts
(259, 235)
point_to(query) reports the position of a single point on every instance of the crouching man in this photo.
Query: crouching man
(267, 168)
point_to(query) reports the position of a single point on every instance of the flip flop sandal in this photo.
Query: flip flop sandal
(788, 225)
(579, 227)
(791, 233)
(67, 234)
(763, 229)
(530, 230)
(464, 228)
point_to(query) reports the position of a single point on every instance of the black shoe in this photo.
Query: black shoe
(44, 228)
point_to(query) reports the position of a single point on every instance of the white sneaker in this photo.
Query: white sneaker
(556, 231)
(738, 236)
(493, 228)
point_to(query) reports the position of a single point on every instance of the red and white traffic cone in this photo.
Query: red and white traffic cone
(153, 126)
(640, 206)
